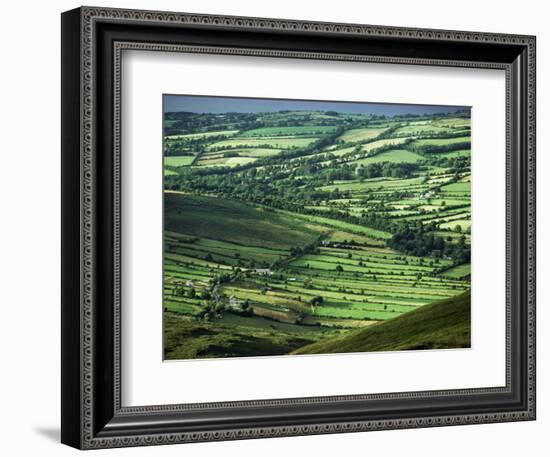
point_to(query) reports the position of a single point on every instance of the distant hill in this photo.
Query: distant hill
(441, 325)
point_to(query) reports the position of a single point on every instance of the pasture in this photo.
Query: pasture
(178, 161)
(367, 147)
(233, 221)
(358, 135)
(393, 155)
(224, 161)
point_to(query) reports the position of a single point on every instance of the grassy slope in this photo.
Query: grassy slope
(235, 222)
(233, 336)
(445, 324)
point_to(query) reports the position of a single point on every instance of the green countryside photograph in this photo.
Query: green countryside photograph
(296, 227)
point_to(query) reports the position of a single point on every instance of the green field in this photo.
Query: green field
(373, 145)
(458, 272)
(460, 153)
(233, 221)
(358, 135)
(436, 326)
(394, 155)
(225, 161)
(178, 161)
(307, 231)
(233, 157)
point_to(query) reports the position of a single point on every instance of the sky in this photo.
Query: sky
(207, 104)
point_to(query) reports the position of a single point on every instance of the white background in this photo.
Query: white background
(149, 74)
(30, 244)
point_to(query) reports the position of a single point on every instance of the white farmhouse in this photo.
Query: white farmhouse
(262, 271)
(234, 302)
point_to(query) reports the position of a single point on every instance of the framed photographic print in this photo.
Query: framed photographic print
(274, 227)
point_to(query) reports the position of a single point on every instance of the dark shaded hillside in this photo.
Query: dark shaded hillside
(441, 325)
(234, 221)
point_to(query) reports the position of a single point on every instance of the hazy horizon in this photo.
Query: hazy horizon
(220, 105)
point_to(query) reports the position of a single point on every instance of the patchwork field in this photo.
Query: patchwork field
(314, 231)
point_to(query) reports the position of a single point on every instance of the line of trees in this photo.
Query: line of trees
(437, 148)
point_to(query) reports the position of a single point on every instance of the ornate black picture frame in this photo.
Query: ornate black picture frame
(92, 42)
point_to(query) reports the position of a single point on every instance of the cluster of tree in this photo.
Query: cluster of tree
(420, 240)
(389, 133)
(182, 122)
(457, 164)
(388, 169)
(436, 148)
(317, 301)
(287, 118)
(328, 173)
(310, 248)
(343, 173)
(244, 309)
(245, 145)
(175, 147)
(196, 144)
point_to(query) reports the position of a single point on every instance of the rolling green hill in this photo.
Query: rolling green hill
(236, 222)
(444, 324)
